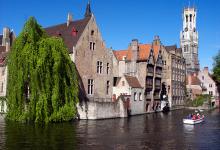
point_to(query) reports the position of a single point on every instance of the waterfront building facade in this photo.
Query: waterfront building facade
(189, 40)
(143, 61)
(6, 40)
(174, 75)
(209, 85)
(93, 62)
(193, 85)
(129, 87)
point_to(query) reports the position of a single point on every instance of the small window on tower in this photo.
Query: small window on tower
(184, 48)
(190, 17)
(186, 18)
(92, 32)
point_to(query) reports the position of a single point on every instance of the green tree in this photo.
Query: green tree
(42, 81)
(216, 70)
(216, 67)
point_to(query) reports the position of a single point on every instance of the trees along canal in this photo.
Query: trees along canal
(42, 81)
(216, 70)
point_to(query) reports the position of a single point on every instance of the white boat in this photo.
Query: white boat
(194, 121)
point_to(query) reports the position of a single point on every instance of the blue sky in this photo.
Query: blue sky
(122, 20)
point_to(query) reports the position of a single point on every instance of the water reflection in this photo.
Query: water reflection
(188, 128)
(29, 136)
(2, 132)
(152, 131)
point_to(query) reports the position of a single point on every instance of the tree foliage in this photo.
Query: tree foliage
(42, 82)
(216, 67)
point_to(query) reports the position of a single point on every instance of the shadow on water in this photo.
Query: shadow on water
(30, 136)
(151, 131)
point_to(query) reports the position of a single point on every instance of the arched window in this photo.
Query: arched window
(92, 32)
(186, 18)
(135, 96)
(190, 16)
(140, 97)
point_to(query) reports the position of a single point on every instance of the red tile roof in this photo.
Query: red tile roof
(71, 33)
(194, 80)
(144, 52)
(133, 81)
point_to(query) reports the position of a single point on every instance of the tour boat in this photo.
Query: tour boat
(193, 121)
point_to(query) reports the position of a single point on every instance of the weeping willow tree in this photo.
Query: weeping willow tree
(42, 81)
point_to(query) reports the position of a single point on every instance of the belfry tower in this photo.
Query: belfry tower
(189, 40)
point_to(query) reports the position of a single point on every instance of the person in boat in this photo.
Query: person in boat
(198, 115)
(189, 116)
(194, 117)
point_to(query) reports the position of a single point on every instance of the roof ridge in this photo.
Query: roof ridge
(65, 23)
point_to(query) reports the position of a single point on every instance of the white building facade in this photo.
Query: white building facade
(209, 84)
(129, 87)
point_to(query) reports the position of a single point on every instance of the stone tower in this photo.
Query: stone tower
(189, 40)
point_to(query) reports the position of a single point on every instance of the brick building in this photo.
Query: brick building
(143, 61)
(6, 40)
(174, 75)
(93, 62)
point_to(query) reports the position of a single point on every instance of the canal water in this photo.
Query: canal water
(152, 131)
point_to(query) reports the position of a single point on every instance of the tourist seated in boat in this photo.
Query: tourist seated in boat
(198, 115)
(194, 117)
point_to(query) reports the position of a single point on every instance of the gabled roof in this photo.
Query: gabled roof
(119, 54)
(170, 48)
(133, 81)
(143, 52)
(173, 48)
(179, 50)
(194, 80)
(71, 33)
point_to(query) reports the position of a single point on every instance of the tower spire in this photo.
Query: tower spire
(88, 12)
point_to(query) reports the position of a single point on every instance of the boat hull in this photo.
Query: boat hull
(191, 121)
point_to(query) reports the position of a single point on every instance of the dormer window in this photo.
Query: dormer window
(74, 32)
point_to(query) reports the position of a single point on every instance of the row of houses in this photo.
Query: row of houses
(116, 83)
(202, 83)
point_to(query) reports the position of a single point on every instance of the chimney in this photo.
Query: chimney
(206, 70)
(7, 46)
(69, 19)
(156, 40)
(6, 33)
(134, 49)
